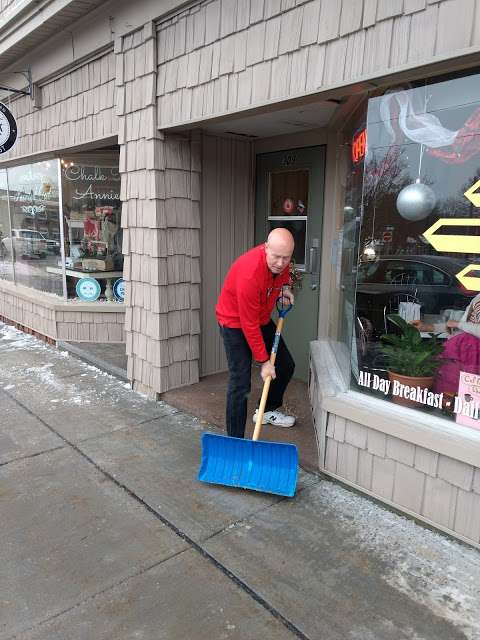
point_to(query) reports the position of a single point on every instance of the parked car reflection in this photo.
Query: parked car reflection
(25, 243)
(429, 280)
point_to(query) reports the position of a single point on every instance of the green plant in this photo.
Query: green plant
(408, 353)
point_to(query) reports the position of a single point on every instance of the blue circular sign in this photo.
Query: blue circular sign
(119, 290)
(88, 289)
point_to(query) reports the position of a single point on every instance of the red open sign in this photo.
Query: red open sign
(359, 145)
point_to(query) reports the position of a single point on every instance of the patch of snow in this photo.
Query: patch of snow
(431, 569)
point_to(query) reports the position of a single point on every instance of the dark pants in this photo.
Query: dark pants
(239, 358)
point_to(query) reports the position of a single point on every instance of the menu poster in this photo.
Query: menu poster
(467, 402)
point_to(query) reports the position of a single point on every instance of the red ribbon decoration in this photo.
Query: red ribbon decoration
(466, 144)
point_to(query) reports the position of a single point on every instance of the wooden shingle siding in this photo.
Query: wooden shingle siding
(227, 230)
(39, 313)
(351, 17)
(90, 327)
(160, 192)
(443, 491)
(223, 46)
(412, 6)
(78, 107)
(26, 313)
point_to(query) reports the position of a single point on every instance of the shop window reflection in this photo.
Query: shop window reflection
(91, 217)
(34, 239)
(30, 232)
(6, 259)
(422, 166)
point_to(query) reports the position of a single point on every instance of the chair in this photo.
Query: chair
(368, 355)
(394, 303)
(404, 278)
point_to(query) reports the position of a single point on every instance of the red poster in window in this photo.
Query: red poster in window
(91, 229)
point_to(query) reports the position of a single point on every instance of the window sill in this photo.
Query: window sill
(102, 306)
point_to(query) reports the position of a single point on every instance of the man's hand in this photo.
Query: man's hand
(287, 294)
(267, 370)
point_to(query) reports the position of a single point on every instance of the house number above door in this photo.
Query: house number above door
(288, 159)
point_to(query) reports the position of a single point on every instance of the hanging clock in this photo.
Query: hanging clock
(8, 129)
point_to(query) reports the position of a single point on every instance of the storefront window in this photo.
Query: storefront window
(6, 261)
(31, 233)
(33, 241)
(345, 249)
(91, 217)
(416, 311)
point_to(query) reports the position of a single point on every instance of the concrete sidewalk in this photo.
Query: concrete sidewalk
(106, 533)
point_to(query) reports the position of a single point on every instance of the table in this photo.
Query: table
(98, 275)
(432, 318)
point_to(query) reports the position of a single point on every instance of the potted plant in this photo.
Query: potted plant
(410, 359)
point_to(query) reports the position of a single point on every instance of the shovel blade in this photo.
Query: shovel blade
(271, 467)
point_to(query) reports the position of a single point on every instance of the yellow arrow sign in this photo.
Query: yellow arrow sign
(453, 243)
(469, 282)
(472, 195)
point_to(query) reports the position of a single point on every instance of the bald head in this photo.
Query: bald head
(279, 249)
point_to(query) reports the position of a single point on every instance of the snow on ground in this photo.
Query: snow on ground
(428, 567)
(62, 390)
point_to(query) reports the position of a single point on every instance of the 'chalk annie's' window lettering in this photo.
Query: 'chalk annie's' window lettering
(90, 193)
(90, 174)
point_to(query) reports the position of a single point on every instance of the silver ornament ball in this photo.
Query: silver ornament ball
(416, 201)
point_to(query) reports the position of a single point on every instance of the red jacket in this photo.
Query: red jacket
(248, 296)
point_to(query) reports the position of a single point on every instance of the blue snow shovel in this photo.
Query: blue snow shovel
(271, 467)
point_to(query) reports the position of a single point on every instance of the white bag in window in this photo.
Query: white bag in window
(409, 311)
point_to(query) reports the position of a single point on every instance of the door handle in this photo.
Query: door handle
(314, 264)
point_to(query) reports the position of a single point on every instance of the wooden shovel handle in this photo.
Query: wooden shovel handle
(266, 384)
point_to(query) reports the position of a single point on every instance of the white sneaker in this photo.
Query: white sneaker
(277, 418)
